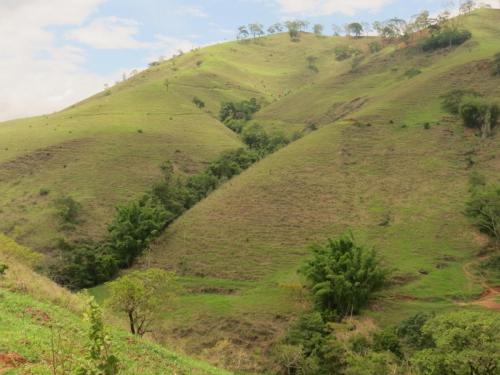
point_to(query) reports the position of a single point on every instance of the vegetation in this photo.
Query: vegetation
(480, 114)
(496, 65)
(452, 100)
(446, 38)
(484, 209)
(141, 296)
(238, 110)
(344, 52)
(198, 102)
(68, 210)
(343, 276)
(355, 29)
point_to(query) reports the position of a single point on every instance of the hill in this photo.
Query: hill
(42, 328)
(373, 168)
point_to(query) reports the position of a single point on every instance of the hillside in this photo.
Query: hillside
(379, 157)
(42, 328)
(376, 170)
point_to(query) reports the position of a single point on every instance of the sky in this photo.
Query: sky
(54, 53)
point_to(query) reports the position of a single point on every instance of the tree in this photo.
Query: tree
(465, 343)
(293, 28)
(484, 209)
(242, 33)
(135, 226)
(467, 6)
(318, 29)
(479, 114)
(355, 29)
(343, 275)
(68, 209)
(256, 29)
(142, 295)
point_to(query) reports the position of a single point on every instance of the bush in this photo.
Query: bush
(198, 102)
(479, 114)
(68, 209)
(387, 340)
(413, 72)
(44, 192)
(411, 331)
(344, 52)
(3, 269)
(343, 276)
(375, 47)
(496, 65)
(452, 100)
(484, 210)
(446, 38)
(232, 163)
(257, 139)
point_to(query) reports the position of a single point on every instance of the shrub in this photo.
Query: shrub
(311, 63)
(496, 65)
(387, 340)
(3, 269)
(375, 47)
(451, 101)
(344, 52)
(411, 331)
(343, 276)
(484, 210)
(68, 209)
(479, 114)
(44, 192)
(446, 38)
(232, 163)
(413, 72)
(198, 102)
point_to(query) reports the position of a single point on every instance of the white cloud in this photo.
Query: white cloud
(190, 10)
(108, 33)
(328, 7)
(38, 76)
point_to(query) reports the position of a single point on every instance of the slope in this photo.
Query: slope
(42, 331)
(373, 167)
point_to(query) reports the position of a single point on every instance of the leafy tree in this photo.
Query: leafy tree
(198, 102)
(337, 30)
(99, 360)
(243, 33)
(135, 226)
(484, 209)
(411, 331)
(343, 276)
(465, 342)
(293, 28)
(238, 110)
(387, 341)
(355, 29)
(467, 6)
(256, 29)
(232, 163)
(446, 37)
(318, 29)
(142, 295)
(480, 114)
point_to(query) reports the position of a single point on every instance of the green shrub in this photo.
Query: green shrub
(411, 331)
(232, 163)
(68, 209)
(3, 269)
(452, 100)
(484, 210)
(446, 38)
(344, 52)
(198, 102)
(44, 192)
(496, 65)
(343, 276)
(387, 341)
(375, 47)
(479, 114)
(413, 72)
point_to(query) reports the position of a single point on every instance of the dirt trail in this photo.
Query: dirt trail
(490, 298)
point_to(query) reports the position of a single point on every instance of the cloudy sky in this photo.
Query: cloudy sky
(56, 52)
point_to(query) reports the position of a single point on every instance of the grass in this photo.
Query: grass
(372, 167)
(42, 325)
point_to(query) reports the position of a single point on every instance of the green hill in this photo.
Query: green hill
(42, 328)
(373, 167)
(386, 162)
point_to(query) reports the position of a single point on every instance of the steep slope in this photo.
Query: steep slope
(372, 167)
(42, 331)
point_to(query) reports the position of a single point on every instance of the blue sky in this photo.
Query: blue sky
(67, 50)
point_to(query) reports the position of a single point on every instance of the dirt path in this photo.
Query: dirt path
(490, 298)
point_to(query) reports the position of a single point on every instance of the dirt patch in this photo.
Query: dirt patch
(11, 360)
(38, 315)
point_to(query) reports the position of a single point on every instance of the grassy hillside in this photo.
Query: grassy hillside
(41, 326)
(373, 167)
